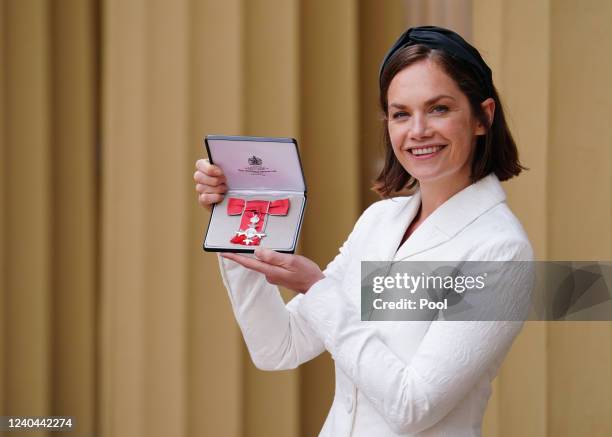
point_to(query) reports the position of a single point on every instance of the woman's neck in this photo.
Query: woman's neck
(435, 193)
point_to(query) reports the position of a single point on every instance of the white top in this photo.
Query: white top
(414, 378)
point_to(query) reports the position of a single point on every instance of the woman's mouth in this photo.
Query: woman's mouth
(425, 152)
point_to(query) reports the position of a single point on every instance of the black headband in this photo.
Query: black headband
(447, 40)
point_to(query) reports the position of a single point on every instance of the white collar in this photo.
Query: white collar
(444, 223)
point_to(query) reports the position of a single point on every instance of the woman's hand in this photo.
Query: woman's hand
(210, 183)
(295, 272)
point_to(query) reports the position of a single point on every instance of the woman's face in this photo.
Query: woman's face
(431, 125)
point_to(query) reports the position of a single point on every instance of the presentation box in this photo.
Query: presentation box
(266, 198)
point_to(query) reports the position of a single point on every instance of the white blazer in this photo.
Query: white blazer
(392, 378)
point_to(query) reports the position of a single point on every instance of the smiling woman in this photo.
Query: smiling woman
(445, 126)
(447, 138)
(450, 99)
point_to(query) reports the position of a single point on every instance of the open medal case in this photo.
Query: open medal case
(266, 197)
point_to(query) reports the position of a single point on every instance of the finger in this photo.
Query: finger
(202, 163)
(220, 189)
(272, 257)
(205, 166)
(207, 199)
(252, 263)
(205, 179)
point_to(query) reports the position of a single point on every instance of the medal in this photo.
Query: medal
(253, 219)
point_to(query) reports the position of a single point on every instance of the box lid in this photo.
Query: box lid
(257, 163)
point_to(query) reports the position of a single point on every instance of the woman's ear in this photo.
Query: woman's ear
(488, 107)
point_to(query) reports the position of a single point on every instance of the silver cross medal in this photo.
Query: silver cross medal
(251, 232)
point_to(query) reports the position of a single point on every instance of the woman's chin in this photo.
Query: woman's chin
(436, 177)
(426, 176)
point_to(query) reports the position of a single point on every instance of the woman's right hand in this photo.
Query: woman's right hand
(210, 183)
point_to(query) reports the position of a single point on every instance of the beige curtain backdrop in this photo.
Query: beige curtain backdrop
(109, 310)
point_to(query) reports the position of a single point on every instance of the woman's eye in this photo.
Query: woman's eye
(439, 109)
(399, 114)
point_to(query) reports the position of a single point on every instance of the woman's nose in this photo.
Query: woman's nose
(419, 128)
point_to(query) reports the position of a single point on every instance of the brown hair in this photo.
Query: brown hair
(494, 152)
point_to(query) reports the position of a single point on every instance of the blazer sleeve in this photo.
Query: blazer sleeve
(276, 335)
(452, 357)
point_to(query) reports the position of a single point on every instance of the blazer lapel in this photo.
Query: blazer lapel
(425, 237)
(386, 234)
(452, 216)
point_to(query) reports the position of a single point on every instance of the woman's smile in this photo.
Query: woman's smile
(425, 152)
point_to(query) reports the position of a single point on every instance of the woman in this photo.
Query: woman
(446, 136)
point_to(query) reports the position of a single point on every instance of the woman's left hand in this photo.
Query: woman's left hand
(295, 272)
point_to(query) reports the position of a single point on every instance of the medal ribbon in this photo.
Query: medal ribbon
(250, 209)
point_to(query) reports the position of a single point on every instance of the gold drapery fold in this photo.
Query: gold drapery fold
(27, 305)
(145, 246)
(48, 243)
